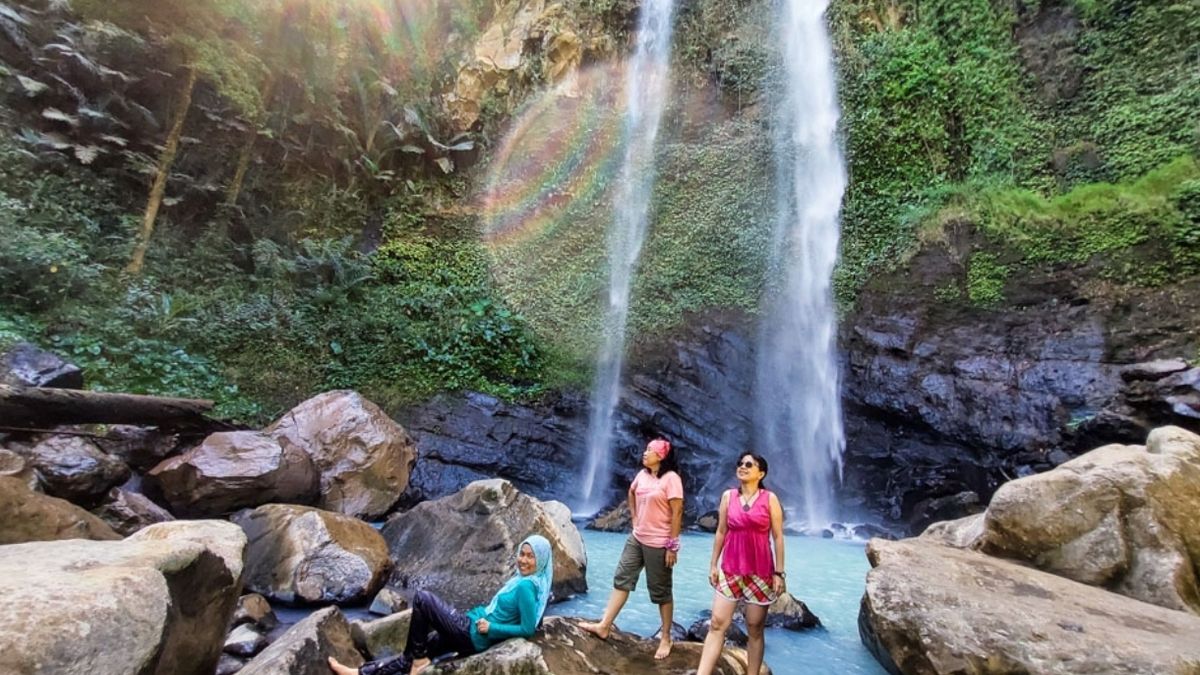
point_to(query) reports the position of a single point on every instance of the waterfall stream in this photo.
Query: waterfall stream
(798, 407)
(646, 87)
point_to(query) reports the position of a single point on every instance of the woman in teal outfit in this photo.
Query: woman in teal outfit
(515, 611)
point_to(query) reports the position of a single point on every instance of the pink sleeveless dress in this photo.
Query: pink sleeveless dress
(746, 558)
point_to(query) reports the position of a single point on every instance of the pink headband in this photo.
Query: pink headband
(660, 447)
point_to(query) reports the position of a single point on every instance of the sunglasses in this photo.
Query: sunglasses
(748, 464)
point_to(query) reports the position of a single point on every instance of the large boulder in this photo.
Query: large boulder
(127, 511)
(930, 608)
(463, 547)
(26, 365)
(231, 470)
(300, 555)
(304, 648)
(381, 638)
(140, 447)
(1123, 517)
(562, 648)
(157, 602)
(363, 456)
(26, 515)
(73, 468)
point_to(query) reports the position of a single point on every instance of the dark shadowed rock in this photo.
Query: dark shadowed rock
(299, 555)
(305, 647)
(26, 515)
(463, 547)
(229, 664)
(73, 468)
(157, 602)
(735, 635)
(142, 448)
(25, 364)
(127, 512)
(789, 613)
(470, 437)
(364, 458)
(233, 470)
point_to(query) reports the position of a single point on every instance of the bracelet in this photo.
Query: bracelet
(672, 545)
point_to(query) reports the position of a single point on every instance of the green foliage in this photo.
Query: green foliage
(940, 101)
(985, 280)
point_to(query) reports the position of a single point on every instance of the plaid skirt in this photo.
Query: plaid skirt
(749, 588)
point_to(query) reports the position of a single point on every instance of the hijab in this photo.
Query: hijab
(542, 576)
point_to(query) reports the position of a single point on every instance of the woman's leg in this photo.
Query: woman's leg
(666, 612)
(660, 584)
(714, 642)
(756, 618)
(624, 580)
(431, 613)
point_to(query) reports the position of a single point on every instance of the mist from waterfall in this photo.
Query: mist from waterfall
(646, 86)
(798, 403)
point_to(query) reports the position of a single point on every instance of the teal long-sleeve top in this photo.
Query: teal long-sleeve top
(515, 616)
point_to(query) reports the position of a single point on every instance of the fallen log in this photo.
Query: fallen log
(43, 406)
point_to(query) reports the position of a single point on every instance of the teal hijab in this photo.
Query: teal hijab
(542, 576)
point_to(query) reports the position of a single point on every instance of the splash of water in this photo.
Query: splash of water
(646, 86)
(798, 384)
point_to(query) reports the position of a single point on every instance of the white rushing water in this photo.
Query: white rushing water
(646, 86)
(798, 383)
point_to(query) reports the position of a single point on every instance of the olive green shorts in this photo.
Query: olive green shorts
(634, 559)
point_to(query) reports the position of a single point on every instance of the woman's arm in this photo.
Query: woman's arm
(632, 499)
(527, 610)
(676, 528)
(777, 582)
(719, 539)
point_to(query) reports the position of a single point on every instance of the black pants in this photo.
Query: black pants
(436, 629)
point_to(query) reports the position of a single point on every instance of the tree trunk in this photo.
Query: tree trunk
(164, 170)
(45, 406)
(243, 165)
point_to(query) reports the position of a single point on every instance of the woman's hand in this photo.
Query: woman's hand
(778, 584)
(482, 626)
(713, 575)
(672, 557)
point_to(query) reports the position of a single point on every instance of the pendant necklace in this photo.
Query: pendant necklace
(746, 504)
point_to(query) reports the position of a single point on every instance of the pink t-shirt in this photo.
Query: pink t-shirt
(652, 495)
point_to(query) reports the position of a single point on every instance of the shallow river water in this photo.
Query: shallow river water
(828, 575)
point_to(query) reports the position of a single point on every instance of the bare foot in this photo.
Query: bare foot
(598, 629)
(338, 668)
(419, 665)
(664, 648)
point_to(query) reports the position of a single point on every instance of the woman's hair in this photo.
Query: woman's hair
(762, 466)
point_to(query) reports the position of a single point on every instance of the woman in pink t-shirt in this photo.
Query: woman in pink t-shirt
(743, 567)
(656, 507)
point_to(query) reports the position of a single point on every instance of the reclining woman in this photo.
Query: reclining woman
(515, 611)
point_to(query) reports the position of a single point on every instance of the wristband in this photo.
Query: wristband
(781, 575)
(672, 545)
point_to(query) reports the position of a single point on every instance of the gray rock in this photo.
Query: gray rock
(233, 470)
(934, 609)
(381, 638)
(387, 601)
(229, 664)
(157, 602)
(617, 519)
(734, 635)
(363, 457)
(299, 554)
(244, 641)
(26, 365)
(304, 648)
(463, 547)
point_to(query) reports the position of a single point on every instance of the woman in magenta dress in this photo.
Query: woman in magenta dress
(744, 568)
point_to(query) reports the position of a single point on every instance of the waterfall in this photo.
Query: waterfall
(798, 404)
(646, 83)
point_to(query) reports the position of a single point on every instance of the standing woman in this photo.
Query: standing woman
(656, 507)
(743, 568)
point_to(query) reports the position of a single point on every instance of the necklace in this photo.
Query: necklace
(747, 502)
